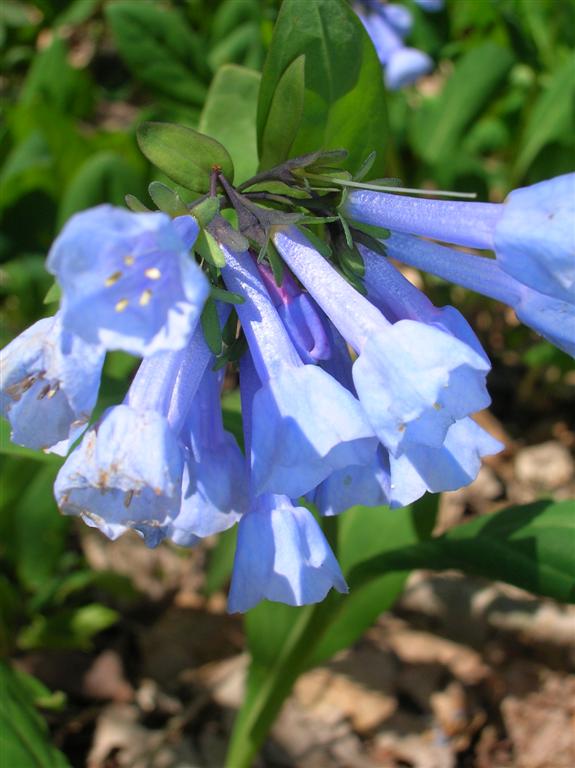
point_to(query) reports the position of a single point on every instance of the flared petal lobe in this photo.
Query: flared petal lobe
(127, 471)
(50, 382)
(127, 280)
(282, 555)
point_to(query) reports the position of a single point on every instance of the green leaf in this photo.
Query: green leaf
(136, 205)
(284, 116)
(167, 200)
(344, 102)
(551, 118)
(103, 178)
(440, 126)
(54, 294)
(207, 247)
(24, 738)
(221, 561)
(530, 546)
(160, 48)
(229, 116)
(211, 326)
(72, 628)
(186, 156)
(228, 297)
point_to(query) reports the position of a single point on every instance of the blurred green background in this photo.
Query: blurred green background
(77, 78)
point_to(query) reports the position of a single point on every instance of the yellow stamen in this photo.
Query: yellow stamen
(121, 305)
(128, 496)
(153, 273)
(145, 297)
(129, 260)
(112, 279)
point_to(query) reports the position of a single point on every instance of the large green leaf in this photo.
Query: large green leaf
(24, 740)
(285, 114)
(184, 155)
(552, 116)
(104, 178)
(344, 102)
(229, 115)
(441, 124)
(160, 48)
(531, 546)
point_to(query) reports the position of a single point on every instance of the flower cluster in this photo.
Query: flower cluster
(355, 388)
(388, 24)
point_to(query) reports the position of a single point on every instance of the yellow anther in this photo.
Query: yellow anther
(145, 297)
(437, 406)
(112, 279)
(121, 305)
(128, 496)
(129, 260)
(153, 273)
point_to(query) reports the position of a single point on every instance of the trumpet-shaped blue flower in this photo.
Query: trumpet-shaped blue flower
(50, 381)
(127, 471)
(215, 480)
(127, 279)
(281, 553)
(305, 424)
(387, 25)
(368, 486)
(413, 380)
(532, 232)
(552, 318)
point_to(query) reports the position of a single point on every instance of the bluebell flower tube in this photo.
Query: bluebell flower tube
(552, 318)
(50, 382)
(282, 554)
(305, 425)
(531, 233)
(127, 471)
(388, 289)
(215, 479)
(413, 380)
(127, 279)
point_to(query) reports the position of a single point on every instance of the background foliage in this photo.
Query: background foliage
(79, 77)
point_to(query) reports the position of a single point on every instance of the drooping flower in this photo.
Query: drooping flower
(531, 233)
(127, 471)
(305, 425)
(552, 318)
(215, 480)
(50, 382)
(127, 279)
(282, 553)
(413, 380)
(387, 25)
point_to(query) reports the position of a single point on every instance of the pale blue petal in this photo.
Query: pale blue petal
(50, 382)
(283, 556)
(368, 486)
(535, 236)
(446, 468)
(414, 381)
(305, 426)
(127, 471)
(127, 280)
(404, 66)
